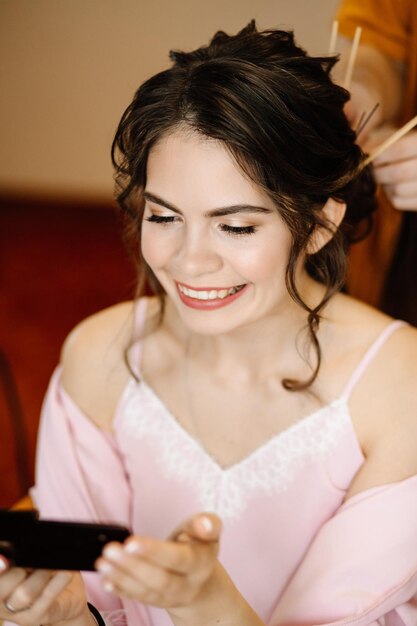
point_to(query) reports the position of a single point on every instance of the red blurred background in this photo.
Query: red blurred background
(59, 262)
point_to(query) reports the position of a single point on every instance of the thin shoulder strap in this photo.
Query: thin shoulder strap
(135, 350)
(370, 355)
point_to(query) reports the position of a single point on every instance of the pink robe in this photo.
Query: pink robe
(298, 555)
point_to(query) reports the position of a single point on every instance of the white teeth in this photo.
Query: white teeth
(213, 294)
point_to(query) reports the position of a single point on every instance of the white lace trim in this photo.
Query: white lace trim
(270, 468)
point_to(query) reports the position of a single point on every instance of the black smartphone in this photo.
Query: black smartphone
(27, 541)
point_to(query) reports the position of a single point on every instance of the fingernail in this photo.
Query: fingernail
(108, 586)
(133, 547)
(113, 552)
(104, 567)
(207, 524)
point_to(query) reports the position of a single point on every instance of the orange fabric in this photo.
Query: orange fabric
(384, 24)
(390, 26)
(369, 260)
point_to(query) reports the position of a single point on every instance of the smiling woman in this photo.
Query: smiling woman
(227, 245)
(268, 475)
(253, 109)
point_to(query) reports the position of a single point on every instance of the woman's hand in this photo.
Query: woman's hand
(396, 170)
(172, 573)
(37, 597)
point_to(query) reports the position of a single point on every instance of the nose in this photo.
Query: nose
(197, 255)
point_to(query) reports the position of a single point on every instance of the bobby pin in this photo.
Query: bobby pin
(358, 125)
(363, 122)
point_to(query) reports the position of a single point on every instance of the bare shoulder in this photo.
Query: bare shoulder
(393, 377)
(94, 371)
(384, 410)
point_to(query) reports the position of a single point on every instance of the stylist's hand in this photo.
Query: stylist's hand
(396, 170)
(37, 597)
(169, 574)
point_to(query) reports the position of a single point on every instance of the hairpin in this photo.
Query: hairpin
(389, 141)
(364, 119)
(333, 37)
(352, 58)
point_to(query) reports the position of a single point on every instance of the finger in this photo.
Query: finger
(10, 580)
(405, 190)
(404, 148)
(25, 594)
(180, 558)
(404, 204)
(135, 577)
(175, 557)
(42, 610)
(397, 172)
(203, 527)
(174, 553)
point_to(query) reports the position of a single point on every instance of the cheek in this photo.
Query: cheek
(156, 247)
(266, 262)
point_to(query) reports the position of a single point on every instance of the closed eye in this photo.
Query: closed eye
(161, 219)
(226, 228)
(238, 230)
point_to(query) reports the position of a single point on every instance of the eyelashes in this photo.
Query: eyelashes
(161, 219)
(236, 231)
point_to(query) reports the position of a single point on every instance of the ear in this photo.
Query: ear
(332, 213)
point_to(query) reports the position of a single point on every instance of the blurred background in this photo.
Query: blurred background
(68, 69)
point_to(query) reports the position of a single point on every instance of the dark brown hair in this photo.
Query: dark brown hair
(280, 115)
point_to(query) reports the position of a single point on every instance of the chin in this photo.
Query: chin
(208, 323)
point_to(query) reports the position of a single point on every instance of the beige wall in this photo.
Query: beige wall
(68, 68)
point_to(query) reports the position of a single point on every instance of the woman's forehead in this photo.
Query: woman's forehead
(189, 165)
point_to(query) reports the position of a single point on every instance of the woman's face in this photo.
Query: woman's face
(214, 240)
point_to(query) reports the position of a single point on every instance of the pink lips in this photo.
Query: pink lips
(209, 305)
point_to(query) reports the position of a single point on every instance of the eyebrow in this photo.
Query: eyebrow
(227, 210)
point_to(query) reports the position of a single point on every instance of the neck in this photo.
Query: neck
(269, 346)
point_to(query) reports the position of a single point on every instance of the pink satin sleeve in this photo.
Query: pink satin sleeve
(80, 476)
(361, 568)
